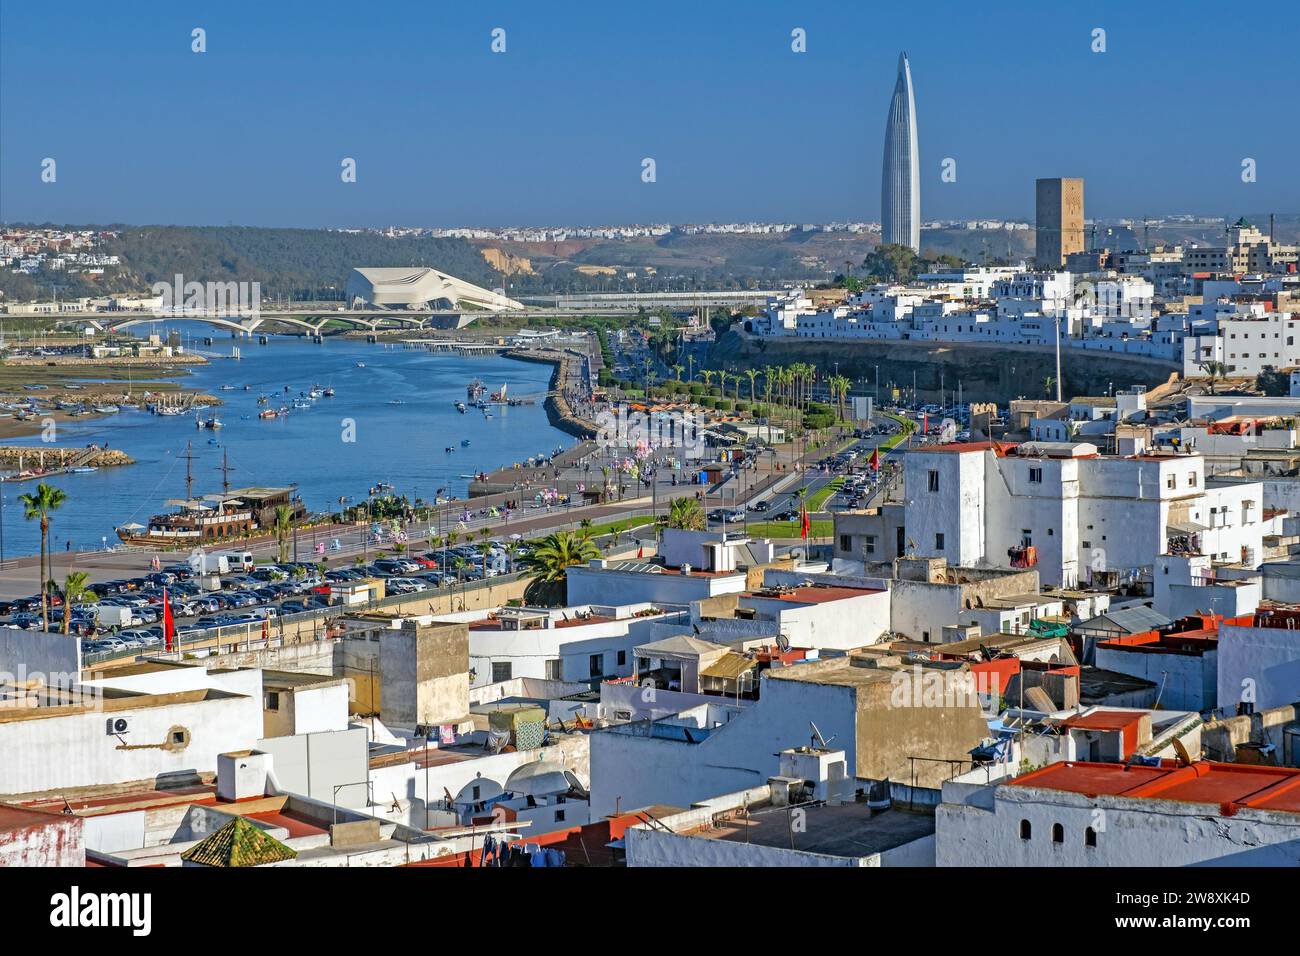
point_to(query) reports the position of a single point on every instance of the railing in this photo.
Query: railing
(271, 630)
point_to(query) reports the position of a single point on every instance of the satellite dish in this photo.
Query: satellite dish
(1184, 758)
(817, 740)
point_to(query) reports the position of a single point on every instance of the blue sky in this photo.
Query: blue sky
(554, 130)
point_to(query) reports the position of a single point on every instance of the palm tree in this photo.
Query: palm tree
(616, 530)
(1049, 383)
(75, 587)
(584, 527)
(707, 376)
(677, 370)
(460, 564)
(685, 514)
(1214, 370)
(37, 506)
(551, 559)
(752, 375)
(283, 522)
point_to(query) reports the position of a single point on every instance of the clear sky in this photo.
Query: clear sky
(554, 130)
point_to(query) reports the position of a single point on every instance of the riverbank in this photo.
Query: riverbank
(566, 374)
(48, 458)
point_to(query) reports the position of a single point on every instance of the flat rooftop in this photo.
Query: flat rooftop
(847, 830)
(811, 594)
(1225, 785)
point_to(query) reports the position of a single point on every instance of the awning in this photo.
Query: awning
(729, 666)
(1187, 526)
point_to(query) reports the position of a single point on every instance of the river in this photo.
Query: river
(401, 444)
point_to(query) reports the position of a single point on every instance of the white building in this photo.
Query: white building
(1112, 814)
(1084, 515)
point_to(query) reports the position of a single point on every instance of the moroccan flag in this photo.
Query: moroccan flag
(169, 624)
(804, 524)
(875, 459)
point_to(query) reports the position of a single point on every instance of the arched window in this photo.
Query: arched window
(1090, 837)
(1026, 831)
(1058, 833)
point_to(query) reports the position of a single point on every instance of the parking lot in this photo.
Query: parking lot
(126, 614)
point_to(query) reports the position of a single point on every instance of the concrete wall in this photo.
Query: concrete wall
(1262, 663)
(1184, 681)
(983, 829)
(313, 765)
(423, 669)
(49, 840)
(75, 750)
(38, 652)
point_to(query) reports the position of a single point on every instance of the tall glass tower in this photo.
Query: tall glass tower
(900, 187)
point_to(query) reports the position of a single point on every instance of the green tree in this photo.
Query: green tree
(685, 514)
(551, 559)
(283, 524)
(37, 507)
(75, 587)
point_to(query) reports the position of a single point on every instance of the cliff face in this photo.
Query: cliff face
(987, 373)
(506, 263)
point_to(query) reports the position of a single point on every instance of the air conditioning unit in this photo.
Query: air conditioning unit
(118, 725)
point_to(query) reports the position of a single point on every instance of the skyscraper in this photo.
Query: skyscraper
(1058, 221)
(900, 187)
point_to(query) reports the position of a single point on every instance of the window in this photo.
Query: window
(554, 669)
(934, 481)
(1058, 833)
(501, 671)
(1172, 481)
(596, 665)
(1036, 475)
(846, 543)
(1090, 837)
(1191, 480)
(622, 658)
(870, 546)
(938, 541)
(559, 816)
(1026, 831)
(273, 700)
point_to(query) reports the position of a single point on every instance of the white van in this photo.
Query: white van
(239, 560)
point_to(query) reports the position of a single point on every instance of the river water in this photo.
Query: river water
(401, 444)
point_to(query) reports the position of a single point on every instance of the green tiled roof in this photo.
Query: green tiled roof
(238, 843)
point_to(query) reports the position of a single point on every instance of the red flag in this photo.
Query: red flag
(169, 625)
(875, 459)
(640, 552)
(804, 524)
(925, 423)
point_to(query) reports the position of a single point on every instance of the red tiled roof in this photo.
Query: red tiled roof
(1231, 786)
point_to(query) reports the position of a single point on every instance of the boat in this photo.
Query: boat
(328, 393)
(209, 422)
(106, 409)
(268, 413)
(474, 391)
(227, 388)
(212, 519)
(82, 470)
(394, 401)
(460, 407)
(302, 404)
(464, 443)
(361, 365)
